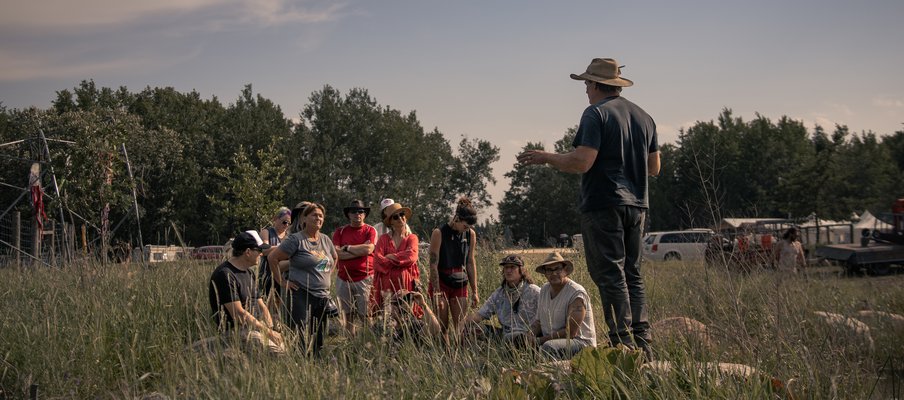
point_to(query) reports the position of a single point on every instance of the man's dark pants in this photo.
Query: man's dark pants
(612, 243)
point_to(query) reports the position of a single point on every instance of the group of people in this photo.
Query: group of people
(379, 277)
(615, 150)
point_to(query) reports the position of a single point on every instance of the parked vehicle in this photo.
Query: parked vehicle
(687, 245)
(879, 249)
(208, 253)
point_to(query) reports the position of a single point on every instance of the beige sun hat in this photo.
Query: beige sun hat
(393, 209)
(605, 71)
(555, 258)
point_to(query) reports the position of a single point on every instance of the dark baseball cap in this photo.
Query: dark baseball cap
(249, 240)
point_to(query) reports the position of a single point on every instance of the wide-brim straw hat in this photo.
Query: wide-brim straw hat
(605, 71)
(555, 258)
(392, 209)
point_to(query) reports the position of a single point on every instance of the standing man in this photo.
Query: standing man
(234, 300)
(355, 245)
(615, 149)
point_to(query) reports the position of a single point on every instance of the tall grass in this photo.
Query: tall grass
(90, 331)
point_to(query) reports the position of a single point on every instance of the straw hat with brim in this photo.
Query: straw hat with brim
(555, 258)
(605, 71)
(355, 206)
(394, 208)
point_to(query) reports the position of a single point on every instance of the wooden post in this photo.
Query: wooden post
(17, 239)
(53, 242)
(84, 241)
(37, 234)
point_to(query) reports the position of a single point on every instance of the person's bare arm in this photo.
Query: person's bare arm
(245, 318)
(577, 161)
(653, 164)
(435, 241)
(577, 310)
(471, 269)
(430, 321)
(276, 257)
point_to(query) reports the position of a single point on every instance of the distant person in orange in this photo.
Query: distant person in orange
(789, 253)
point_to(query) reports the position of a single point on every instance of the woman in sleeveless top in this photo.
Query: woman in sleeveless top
(452, 267)
(272, 235)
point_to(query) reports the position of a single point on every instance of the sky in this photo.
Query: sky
(497, 71)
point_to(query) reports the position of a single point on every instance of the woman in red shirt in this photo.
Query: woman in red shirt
(395, 258)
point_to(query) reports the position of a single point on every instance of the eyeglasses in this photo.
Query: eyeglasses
(553, 270)
(356, 212)
(398, 216)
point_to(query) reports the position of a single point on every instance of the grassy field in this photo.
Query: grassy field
(125, 332)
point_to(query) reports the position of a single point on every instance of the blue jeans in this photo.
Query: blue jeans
(612, 243)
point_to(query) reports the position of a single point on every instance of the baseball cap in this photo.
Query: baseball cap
(249, 240)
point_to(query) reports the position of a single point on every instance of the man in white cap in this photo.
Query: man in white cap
(615, 149)
(234, 299)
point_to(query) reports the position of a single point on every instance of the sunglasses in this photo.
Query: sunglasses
(398, 216)
(286, 222)
(356, 212)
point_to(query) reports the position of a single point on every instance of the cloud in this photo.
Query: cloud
(22, 67)
(888, 102)
(75, 39)
(42, 16)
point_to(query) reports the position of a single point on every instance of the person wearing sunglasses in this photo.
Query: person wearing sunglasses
(452, 266)
(395, 259)
(355, 246)
(564, 323)
(272, 235)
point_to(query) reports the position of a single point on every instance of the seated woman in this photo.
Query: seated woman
(514, 303)
(564, 323)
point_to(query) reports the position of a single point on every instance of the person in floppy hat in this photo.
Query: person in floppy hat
(395, 258)
(355, 246)
(380, 226)
(234, 299)
(452, 266)
(616, 148)
(514, 303)
(564, 322)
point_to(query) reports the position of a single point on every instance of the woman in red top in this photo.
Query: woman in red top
(395, 257)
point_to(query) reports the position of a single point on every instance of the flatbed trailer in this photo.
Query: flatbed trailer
(876, 258)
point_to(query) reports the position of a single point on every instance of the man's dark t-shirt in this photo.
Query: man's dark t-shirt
(624, 134)
(229, 284)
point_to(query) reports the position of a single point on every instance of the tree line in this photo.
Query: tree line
(728, 168)
(207, 168)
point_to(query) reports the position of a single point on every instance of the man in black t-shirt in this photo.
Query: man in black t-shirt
(233, 297)
(615, 149)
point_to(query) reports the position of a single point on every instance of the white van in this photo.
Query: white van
(688, 245)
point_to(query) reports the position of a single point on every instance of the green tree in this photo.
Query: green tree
(349, 147)
(541, 202)
(245, 198)
(473, 172)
